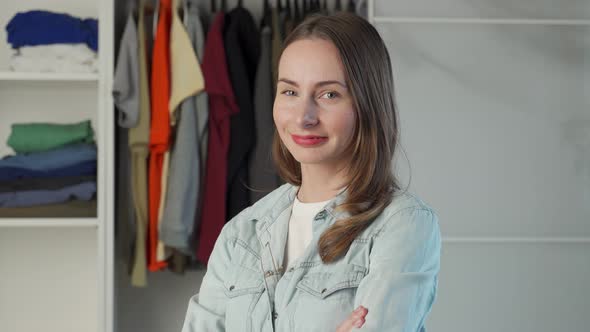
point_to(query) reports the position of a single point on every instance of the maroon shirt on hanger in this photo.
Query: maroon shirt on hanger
(222, 106)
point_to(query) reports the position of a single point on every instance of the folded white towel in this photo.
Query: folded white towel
(79, 53)
(55, 65)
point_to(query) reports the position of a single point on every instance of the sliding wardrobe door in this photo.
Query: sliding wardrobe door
(494, 101)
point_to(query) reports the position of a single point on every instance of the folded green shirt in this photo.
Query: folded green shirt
(37, 137)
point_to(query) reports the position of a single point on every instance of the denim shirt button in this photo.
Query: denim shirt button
(324, 290)
(267, 273)
(320, 215)
(231, 287)
(291, 269)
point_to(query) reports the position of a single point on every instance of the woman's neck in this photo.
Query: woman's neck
(319, 183)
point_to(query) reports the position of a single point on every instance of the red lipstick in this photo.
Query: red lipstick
(309, 140)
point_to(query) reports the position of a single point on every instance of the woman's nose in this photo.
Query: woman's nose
(309, 116)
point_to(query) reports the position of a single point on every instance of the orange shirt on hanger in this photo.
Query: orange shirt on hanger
(160, 126)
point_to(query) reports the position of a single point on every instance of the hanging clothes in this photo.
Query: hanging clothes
(263, 176)
(194, 27)
(126, 78)
(186, 156)
(222, 106)
(242, 45)
(139, 139)
(288, 23)
(283, 20)
(361, 8)
(277, 44)
(297, 15)
(186, 82)
(126, 99)
(160, 126)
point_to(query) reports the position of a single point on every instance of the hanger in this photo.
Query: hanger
(280, 5)
(338, 6)
(240, 3)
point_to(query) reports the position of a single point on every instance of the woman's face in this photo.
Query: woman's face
(313, 109)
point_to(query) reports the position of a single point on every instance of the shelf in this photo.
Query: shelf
(47, 77)
(48, 222)
(442, 20)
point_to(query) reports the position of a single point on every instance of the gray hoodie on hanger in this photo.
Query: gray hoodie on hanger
(187, 155)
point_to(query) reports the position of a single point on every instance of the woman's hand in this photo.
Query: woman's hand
(355, 319)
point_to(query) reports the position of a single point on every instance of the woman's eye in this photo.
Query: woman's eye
(289, 93)
(330, 95)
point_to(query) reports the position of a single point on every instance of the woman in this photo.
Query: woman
(340, 246)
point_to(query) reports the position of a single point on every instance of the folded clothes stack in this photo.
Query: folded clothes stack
(53, 173)
(44, 41)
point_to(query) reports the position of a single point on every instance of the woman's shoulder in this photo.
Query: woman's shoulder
(406, 209)
(267, 206)
(407, 233)
(406, 201)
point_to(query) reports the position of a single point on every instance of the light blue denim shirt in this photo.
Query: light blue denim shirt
(391, 269)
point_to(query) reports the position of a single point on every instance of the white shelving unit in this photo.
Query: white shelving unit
(57, 272)
(49, 222)
(49, 77)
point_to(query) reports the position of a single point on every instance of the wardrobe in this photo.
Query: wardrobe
(494, 103)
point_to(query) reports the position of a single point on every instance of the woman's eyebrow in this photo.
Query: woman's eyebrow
(318, 84)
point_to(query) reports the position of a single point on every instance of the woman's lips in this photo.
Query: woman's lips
(308, 140)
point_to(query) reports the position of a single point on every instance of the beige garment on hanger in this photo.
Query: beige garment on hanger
(139, 137)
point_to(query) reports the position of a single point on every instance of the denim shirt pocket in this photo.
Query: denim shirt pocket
(242, 282)
(326, 297)
(323, 285)
(243, 288)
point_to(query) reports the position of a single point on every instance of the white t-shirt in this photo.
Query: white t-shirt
(300, 228)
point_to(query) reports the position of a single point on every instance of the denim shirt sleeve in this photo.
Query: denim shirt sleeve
(401, 285)
(206, 310)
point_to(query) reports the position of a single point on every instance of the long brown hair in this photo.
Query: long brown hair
(371, 182)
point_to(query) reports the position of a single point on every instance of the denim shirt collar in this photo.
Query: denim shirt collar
(267, 217)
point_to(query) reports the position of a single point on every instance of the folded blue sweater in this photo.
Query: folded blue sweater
(39, 27)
